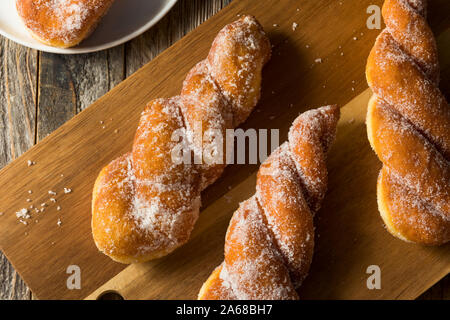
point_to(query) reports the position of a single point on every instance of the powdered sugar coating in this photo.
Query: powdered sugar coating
(235, 73)
(408, 123)
(61, 22)
(270, 239)
(145, 204)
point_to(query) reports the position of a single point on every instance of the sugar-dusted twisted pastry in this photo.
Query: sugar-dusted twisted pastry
(408, 125)
(62, 23)
(145, 204)
(270, 239)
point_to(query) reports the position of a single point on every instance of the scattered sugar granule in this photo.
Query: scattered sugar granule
(29, 200)
(275, 25)
(30, 163)
(353, 89)
(58, 208)
(1, 213)
(23, 213)
(116, 131)
(30, 191)
(52, 192)
(355, 38)
(62, 176)
(42, 210)
(294, 26)
(101, 122)
(342, 53)
(53, 200)
(31, 206)
(43, 204)
(67, 190)
(307, 46)
(59, 223)
(24, 222)
(103, 127)
(318, 60)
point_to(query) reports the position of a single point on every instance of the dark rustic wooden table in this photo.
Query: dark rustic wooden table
(40, 91)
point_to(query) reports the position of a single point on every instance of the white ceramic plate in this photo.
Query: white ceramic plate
(125, 20)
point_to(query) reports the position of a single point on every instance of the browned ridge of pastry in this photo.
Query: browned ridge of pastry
(270, 240)
(408, 125)
(145, 204)
(62, 23)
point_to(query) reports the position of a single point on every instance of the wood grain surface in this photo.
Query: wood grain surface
(40, 92)
(67, 84)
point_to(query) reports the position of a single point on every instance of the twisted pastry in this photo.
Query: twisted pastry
(145, 204)
(408, 125)
(270, 239)
(62, 23)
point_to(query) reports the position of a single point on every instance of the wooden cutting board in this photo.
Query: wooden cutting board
(350, 233)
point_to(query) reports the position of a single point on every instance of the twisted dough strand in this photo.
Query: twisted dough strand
(144, 204)
(408, 124)
(270, 239)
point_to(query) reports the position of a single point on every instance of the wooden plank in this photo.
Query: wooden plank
(17, 132)
(183, 18)
(71, 83)
(291, 78)
(440, 291)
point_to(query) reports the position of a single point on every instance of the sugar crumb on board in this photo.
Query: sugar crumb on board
(26, 213)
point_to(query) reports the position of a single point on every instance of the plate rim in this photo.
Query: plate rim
(109, 45)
